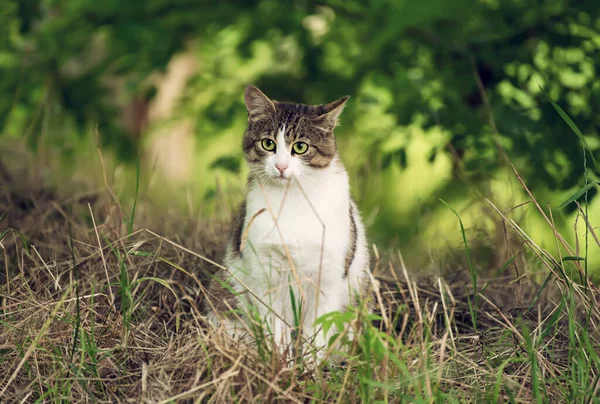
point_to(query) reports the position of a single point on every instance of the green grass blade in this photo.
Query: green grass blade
(157, 280)
(137, 190)
(471, 267)
(579, 194)
(76, 277)
(539, 292)
(571, 124)
(533, 361)
(4, 232)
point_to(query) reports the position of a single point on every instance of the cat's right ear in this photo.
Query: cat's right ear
(258, 105)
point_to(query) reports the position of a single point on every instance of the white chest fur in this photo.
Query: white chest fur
(311, 224)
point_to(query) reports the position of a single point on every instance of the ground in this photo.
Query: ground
(95, 306)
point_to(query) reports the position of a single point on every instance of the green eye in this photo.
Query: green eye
(268, 144)
(300, 147)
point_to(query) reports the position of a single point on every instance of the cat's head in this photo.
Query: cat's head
(289, 141)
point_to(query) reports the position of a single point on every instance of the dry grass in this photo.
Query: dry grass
(89, 312)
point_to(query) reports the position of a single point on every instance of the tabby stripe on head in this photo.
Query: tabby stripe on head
(322, 158)
(253, 118)
(352, 247)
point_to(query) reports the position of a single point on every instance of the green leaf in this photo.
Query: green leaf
(210, 195)
(398, 156)
(579, 193)
(573, 259)
(227, 163)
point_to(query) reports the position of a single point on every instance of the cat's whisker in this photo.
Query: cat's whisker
(261, 175)
(301, 180)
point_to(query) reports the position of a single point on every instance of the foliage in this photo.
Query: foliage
(459, 85)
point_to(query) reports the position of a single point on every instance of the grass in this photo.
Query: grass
(93, 310)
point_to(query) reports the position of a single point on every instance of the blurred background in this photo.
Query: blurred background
(446, 95)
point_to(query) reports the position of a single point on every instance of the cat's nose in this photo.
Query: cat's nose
(281, 167)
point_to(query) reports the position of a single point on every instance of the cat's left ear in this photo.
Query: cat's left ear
(257, 104)
(330, 114)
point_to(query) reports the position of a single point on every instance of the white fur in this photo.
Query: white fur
(314, 228)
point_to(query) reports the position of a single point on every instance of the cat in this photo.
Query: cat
(298, 234)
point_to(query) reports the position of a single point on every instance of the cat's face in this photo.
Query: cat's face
(288, 141)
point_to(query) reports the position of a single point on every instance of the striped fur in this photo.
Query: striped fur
(352, 245)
